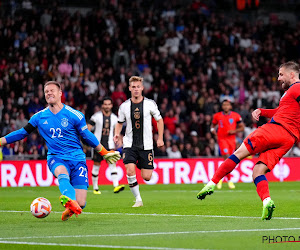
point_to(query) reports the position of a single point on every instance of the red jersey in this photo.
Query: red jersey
(288, 111)
(226, 123)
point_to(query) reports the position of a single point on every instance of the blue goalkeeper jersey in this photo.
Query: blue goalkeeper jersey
(61, 132)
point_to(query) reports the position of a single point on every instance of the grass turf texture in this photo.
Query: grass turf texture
(171, 218)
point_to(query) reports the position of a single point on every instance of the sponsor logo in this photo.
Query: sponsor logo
(84, 127)
(45, 122)
(281, 171)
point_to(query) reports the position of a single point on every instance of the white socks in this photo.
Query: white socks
(266, 200)
(134, 187)
(114, 174)
(211, 183)
(95, 173)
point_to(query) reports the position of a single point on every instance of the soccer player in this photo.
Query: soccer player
(61, 126)
(104, 123)
(228, 123)
(137, 112)
(272, 140)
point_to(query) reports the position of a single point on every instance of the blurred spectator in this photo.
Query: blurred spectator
(170, 121)
(21, 120)
(173, 152)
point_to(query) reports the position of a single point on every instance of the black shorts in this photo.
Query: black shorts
(141, 158)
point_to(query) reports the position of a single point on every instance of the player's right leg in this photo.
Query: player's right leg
(226, 167)
(97, 158)
(133, 184)
(60, 169)
(95, 177)
(130, 158)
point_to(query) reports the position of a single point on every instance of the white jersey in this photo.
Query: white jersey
(102, 130)
(138, 117)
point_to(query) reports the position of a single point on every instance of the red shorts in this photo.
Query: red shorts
(227, 146)
(272, 141)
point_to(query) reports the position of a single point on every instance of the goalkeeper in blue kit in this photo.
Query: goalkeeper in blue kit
(61, 126)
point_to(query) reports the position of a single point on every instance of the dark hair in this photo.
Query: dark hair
(291, 65)
(107, 98)
(226, 100)
(53, 82)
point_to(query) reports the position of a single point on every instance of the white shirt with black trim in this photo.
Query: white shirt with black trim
(97, 118)
(149, 109)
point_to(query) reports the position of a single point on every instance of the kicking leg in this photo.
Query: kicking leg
(226, 167)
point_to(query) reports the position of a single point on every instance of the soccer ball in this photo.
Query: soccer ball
(40, 207)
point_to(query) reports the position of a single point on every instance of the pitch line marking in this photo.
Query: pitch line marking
(151, 234)
(168, 215)
(95, 246)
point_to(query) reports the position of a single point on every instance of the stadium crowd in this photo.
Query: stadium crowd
(191, 58)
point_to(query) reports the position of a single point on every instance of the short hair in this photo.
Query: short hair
(53, 82)
(226, 100)
(291, 65)
(136, 79)
(107, 98)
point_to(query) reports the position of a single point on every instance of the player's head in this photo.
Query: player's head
(288, 74)
(107, 104)
(136, 86)
(226, 105)
(52, 92)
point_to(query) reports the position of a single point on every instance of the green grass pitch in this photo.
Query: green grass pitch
(172, 218)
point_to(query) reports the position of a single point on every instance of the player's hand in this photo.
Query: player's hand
(231, 132)
(112, 156)
(160, 143)
(213, 131)
(256, 114)
(117, 140)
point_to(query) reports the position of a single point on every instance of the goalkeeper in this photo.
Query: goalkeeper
(61, 126)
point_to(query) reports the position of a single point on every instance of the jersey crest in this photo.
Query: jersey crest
(231, 120)
(137, 114)
(64, 122)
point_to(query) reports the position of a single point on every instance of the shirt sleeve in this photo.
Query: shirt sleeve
(215, 120)
(34, 120)
(88, 136)
(121, 114)
(238, 118)
(155, 112)
(268, 112)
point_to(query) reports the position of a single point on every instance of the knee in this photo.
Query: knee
(81, 202)
(258, 170)
(130, 171)
(147, 177)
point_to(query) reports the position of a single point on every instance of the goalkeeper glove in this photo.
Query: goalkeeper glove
(112, 156)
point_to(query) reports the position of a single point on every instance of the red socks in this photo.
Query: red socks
(262, 187)
(225, 168)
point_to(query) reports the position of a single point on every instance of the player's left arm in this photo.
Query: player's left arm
(160, 128)
(160, 124)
